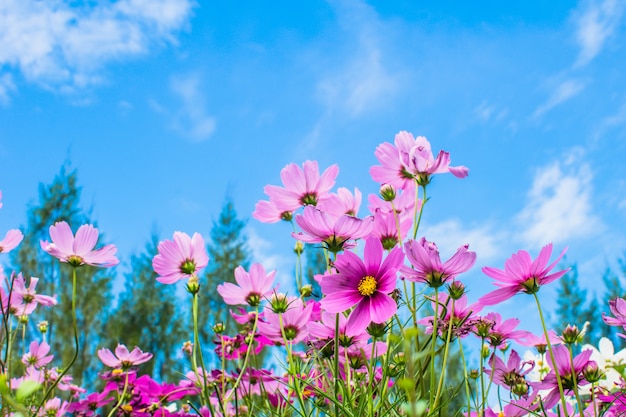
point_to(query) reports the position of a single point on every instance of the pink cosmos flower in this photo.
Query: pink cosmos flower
(78, 250)
(463, 317)
(512, 374)
(618, 309)
(424, 256)
(386, 228)
(344, 202)
(567, 374)
(411, 160)
(522, 274)
(403, 204)
(267, 212)
(331, 231)
(37, 355)
(251, 287)
(55, 408)
(365, 284)
(302, 186)
(123, 358)
(502, 331)
(322, 333)
(180, 258)
(292, 324)
(27, 298)
(11, 240)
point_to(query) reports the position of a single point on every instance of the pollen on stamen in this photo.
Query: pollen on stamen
(367, 285)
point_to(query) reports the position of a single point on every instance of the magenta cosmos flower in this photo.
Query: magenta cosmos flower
(251, 288)
(424, 256)
(78, 250)
(180, 258)
(123, 358)
(618, 309)
(290, 326)
(365, 284)
(522, 274)
(333, 232)
(302, 186)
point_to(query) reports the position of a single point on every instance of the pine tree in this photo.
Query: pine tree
(148, 316)
(571, 308)
(60, 201)
(227, 250)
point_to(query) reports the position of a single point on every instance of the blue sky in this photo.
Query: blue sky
(165, 106)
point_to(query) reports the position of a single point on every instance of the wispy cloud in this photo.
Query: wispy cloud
(563, 92)
(558, 206)
(360, 81)
(191, 119)
(595, 22)
(63, 45)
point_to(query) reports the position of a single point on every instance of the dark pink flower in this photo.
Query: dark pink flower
(251, 287)
(331, 231)
(460, 319)
(512, 374)
(502, 331)
(427, 266)
(522, 274)
(123, 358)
(302, 186)
(365, 284)
(180, 258)
(78, 250)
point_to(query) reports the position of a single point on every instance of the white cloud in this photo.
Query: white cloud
(361, 81)
(192, 119)
(61, 45)
(595, 23)
(564, 91)
(451, 234)
(558, 206)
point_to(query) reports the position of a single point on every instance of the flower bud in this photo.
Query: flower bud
(279, 303)
(23, 319)
(377, 330)
(43, 326)
(298, 248)
(592, 372)
(219, 328)
(188, 347)
(387, 192)
(306, 290)
(520, 388)
(193, 285)
(572, 334)
(474, 373)
(485, 352)
(456, 290)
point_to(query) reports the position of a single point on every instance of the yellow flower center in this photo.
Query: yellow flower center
(367, 285)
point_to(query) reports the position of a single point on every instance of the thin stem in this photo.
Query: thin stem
(445, 357)
(556, 370)
(418, 218)
(121, 399)
(465, 377)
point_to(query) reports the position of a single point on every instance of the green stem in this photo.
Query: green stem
(67, 368)
(575, 380)
(417, 219)
(556, 370)
(197, 348)
(433, 352)
(465, 377)
(445, 357)
(121, 399)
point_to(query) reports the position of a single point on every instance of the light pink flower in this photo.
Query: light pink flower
(251, 287)
(403, 204)
(11, 240)
(365, 284)
(290, 325)
(27, 298)
(123, 358)
(78, 250)
(411, 160)
(344, 202)
(424, 256)
(502, 331)
(331, 231)
(55, 408)
(302, 186)
(386, 228)
(180, 258)
(267, 212)
(37, 355)
(522, 274)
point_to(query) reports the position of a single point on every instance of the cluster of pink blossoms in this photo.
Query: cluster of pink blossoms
(374, 270)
